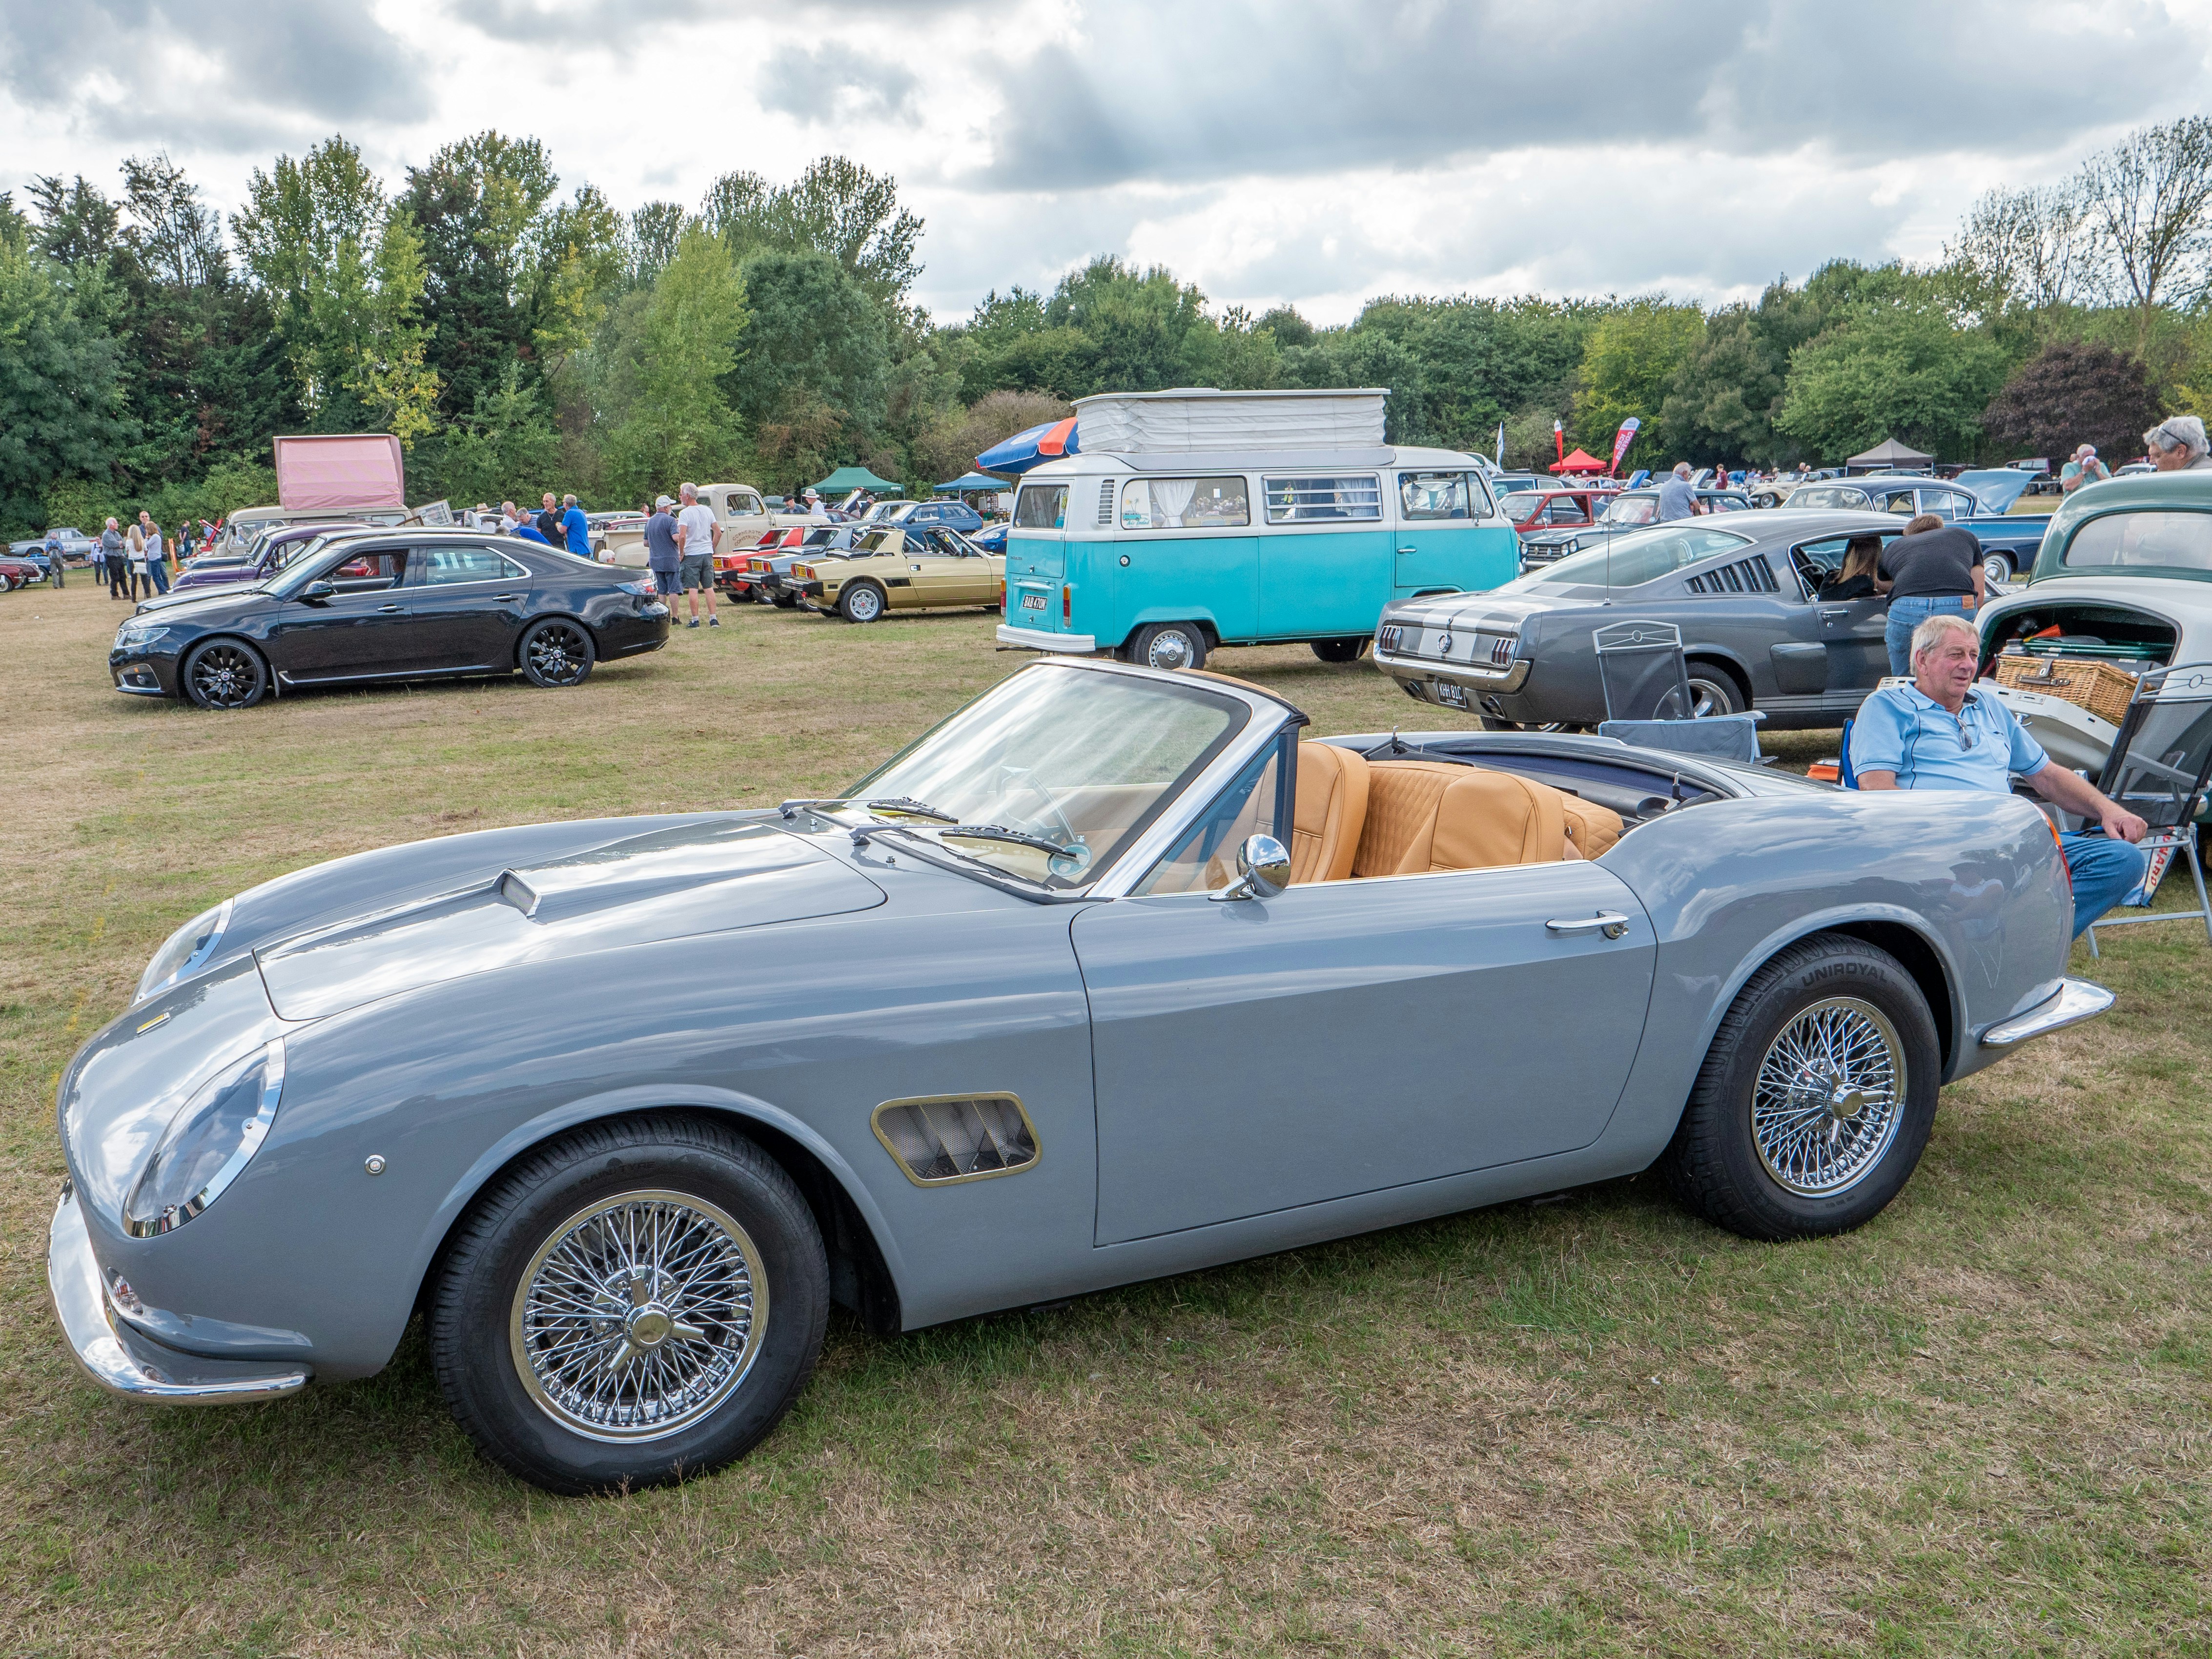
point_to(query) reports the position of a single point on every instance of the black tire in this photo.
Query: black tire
(1835, 1147)
(1341, 650)
(224, 674)
(759, 1329)
(782, 601)
(860, 602)
(1168, 644)
(1997, 567)
(557, 653)
(1714, 691)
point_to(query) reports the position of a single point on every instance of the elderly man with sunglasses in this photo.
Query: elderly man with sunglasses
(1940, 732)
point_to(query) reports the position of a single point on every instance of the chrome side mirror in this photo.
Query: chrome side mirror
(1263, 870)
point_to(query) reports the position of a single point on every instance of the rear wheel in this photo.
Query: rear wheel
(558, 653)
(782, 601)
(1713, 691)
(1997, 567)
(1349, 650)
(635, 1304)
(1815, 1099)
(1168, 644)
(861, 602)
(224, 674)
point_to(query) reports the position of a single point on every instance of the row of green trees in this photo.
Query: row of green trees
(516, 338)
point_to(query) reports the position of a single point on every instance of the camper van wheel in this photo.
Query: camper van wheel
(1349, 650)
(1169, 645)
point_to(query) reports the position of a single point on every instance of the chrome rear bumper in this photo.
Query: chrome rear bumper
(125, 1362)
(1036, 639)
(2076, 1000)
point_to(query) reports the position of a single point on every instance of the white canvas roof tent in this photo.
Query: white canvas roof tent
(1886, 455)
(1192, 420)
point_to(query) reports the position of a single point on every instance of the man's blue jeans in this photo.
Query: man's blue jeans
(2105, 868)
(1907, 614)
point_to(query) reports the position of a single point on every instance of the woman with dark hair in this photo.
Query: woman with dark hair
(1859, 578)
(1933, 569)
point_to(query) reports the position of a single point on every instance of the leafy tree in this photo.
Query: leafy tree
(62, 407)
(78, 226)
(503, 449)
(948, 448)
(1142, 330)
(650, 241)
(679, 349)
(2148, 200)
(176, 239)
(1894, 366)
(2073, 394)
(581, 263)
(815, 328)
(1629, 362)
(1726, 395)
(837, 207)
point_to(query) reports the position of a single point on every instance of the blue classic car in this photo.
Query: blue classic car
(2009, 540)
(1085, 986)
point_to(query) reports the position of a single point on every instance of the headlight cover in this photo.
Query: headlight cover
(211, 1139)
(185, 953)
(132, 635)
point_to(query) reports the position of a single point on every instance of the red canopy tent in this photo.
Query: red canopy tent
(1578, 460)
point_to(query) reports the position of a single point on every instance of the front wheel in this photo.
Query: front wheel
(638, 1303)
(224, 674)
(1815, 1099)
(863, 601)
(1340, 650)
(1168, 644)
(557, 654)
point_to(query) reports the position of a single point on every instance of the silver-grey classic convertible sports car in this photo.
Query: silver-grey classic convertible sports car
(1110, 975)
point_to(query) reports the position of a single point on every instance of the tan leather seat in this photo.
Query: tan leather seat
(1331, 811)
(1425, 816)
(1590, 827)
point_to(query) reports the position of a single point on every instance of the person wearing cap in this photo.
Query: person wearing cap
(2176, 444)
(2083, 468)
(662, 556)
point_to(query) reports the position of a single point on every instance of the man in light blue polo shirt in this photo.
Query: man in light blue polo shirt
(1939, 732)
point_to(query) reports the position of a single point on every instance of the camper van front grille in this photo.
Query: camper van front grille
(1105, 503)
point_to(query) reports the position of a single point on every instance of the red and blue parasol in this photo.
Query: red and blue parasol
(1031, 448)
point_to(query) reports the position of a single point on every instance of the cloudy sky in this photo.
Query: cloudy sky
(1310, 151)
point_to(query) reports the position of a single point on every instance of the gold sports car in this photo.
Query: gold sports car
(921, 569)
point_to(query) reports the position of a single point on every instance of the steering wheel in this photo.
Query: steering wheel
(1027, 776)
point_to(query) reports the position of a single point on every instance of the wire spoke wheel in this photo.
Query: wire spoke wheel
(1829, 1096)
(639, 1315)
(224, 676)
(558, 653)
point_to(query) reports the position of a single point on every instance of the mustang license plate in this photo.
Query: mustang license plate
(1452, 696)
(1033, 601)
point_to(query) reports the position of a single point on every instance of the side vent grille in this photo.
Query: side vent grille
(1106, 504)
(942, 1138)
(1744, 576)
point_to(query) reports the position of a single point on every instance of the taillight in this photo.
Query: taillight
(1066, 603)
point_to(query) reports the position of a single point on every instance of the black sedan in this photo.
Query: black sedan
(391, 605)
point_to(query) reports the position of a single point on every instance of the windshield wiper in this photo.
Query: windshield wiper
(970, 832)
(905, 805)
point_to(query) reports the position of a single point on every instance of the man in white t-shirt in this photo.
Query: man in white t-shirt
(697, 534)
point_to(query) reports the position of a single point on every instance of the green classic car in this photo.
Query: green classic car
(922, 569)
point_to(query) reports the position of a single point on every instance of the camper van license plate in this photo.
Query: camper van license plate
(1033, 601)
(1452, 696)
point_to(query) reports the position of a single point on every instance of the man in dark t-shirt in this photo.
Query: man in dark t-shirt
(1932, 568)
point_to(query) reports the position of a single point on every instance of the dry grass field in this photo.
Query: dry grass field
(1588, 1425)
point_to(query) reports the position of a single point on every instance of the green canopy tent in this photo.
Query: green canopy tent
(848, 479)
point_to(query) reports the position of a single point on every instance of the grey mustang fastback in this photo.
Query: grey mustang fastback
(1108, 976)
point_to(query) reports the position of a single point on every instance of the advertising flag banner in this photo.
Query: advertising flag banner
(1622, 439)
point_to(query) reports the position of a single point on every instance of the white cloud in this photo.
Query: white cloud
(1315, 152)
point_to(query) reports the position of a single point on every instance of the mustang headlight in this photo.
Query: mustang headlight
(210, 1140)
(187, 952)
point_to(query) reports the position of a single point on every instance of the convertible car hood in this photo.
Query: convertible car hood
(693, 878)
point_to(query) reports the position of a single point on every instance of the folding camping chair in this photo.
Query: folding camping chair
(1648, 699)
(2158, 769)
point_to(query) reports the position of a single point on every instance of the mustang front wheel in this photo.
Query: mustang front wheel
(639, 1302)
(1815, 1099)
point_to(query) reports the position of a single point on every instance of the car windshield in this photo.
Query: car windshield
(1073, 757)
(1519, 505)
(1637, 557)
(1630, 509)
(2157, 540)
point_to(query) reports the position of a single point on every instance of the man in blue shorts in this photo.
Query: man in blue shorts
(1940, 732)
(661, 555)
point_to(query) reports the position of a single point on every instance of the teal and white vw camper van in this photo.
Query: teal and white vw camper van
(1197, 518)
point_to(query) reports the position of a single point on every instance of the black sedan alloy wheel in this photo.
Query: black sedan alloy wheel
(557, 653)
(224, 674)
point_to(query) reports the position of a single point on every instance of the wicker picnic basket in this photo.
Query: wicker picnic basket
(2099, 687)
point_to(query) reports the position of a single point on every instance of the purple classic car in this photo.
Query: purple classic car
(263, 559)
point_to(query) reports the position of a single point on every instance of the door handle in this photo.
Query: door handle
(1409, 549)
(1830, 612)
(387, 610)
(504, 598)
(1611, 923)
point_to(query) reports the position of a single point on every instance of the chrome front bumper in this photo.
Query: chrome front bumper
(124, 1361)
(1036, 639)
(2076, 1000)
